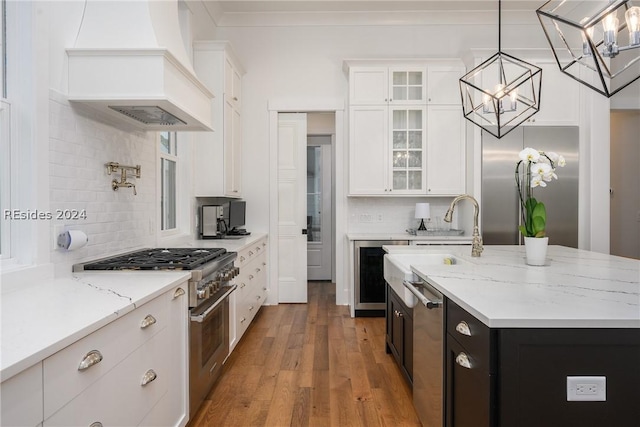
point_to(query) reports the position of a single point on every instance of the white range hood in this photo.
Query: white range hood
(129, 61)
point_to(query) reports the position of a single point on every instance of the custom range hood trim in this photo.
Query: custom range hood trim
(112, 73)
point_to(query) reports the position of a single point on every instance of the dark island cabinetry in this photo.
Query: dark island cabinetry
(517, 377)
(399, 340)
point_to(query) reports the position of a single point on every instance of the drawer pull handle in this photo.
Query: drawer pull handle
(147, 321)
(250, 277)
(257, 270)
(258, 298)
(463, 328)
(241, 259)
(148, 377)
(96, 424)
(90, 359)
(250, 308)
(242, 285)
(397, 313)
(250, 253)
(463, 360)
(178, 293)
(243, 320)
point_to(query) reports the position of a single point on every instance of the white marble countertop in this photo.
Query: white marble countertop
(460, 240)
(42, 318)
(576, 289)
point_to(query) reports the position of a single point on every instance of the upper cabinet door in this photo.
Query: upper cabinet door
(559, 98)
(368, 86)
(407, 85)
(443, 84)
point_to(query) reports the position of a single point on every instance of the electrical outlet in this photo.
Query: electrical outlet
(379, 217)
(365, 218)
(587, 389)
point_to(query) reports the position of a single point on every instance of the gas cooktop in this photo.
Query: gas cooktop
(158, 259)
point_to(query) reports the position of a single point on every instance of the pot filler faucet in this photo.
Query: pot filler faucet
(476, 245)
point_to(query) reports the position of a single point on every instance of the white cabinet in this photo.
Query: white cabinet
(251, 284)
(118, 374)
(218, 155)
(387, 85)
(404, 137)
(446, 153)
(443, 84)
(559, 98)
(387, 150)
(21, 398)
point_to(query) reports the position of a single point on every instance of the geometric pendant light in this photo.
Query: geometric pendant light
(502, 92)
(596, 42)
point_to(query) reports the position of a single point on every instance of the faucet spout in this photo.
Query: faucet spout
(476, 244)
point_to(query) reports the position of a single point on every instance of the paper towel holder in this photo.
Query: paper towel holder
(72, 239)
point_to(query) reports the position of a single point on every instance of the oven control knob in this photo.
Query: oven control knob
(202, 293)
(236, 270)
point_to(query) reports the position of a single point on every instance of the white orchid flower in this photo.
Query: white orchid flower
(552, 156)
(529, 155)
(537, 181)
(561, 161)
(541, 169)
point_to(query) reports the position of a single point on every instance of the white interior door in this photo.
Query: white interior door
(292, 207)
(319, 241)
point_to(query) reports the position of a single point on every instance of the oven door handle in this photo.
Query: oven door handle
(203, 316)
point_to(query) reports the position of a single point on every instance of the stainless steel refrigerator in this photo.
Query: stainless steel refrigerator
(500, 206)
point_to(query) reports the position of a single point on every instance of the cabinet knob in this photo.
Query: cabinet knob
(235, 98)
(463, 328)
(92, 358)
(241, 259)
(242, 285)
(148, 377)
(147, 321)
(463, 360)
(243, 320)
(250, 308)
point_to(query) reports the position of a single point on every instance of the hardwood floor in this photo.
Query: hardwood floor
(310, 365)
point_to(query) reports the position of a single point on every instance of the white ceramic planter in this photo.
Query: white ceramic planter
(536, 250)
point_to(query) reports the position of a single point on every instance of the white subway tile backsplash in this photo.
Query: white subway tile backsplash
(80, 144)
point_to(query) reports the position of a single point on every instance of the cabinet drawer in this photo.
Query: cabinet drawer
(120, 398)
(115, 341)
(22, 398)
(473, 335)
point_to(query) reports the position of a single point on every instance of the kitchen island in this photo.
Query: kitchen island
(526, 330)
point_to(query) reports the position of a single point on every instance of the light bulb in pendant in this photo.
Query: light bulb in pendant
(632, 16)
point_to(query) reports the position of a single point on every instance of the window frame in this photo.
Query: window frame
(5, 178)
(175, 156)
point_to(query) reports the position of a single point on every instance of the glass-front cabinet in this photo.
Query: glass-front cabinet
(407, 86)
(406, 136)
(407, 149)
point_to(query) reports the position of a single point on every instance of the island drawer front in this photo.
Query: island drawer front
(478, 343)
(115, 341)
(21, 401)
(119, 398)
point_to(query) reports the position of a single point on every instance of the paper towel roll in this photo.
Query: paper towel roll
(72, 239)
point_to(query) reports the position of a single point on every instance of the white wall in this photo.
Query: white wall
(306, 63)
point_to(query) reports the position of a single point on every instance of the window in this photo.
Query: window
(168, 184)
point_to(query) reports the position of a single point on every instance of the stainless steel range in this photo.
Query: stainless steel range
(211, 283)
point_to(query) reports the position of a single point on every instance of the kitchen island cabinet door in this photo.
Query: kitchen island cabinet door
(468, 401)
(399, 320)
